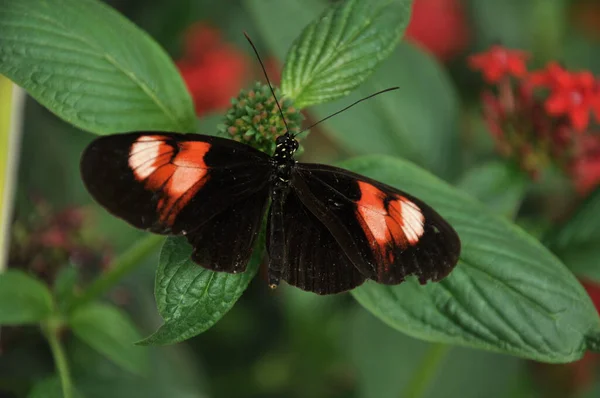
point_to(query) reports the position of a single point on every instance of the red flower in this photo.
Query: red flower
(499, 62)
(440, 26)
(213, 70)
(572, 94)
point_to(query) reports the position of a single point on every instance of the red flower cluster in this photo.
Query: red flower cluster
(440, 26)
(571, 94)
(543, 116)
(213, 70)
(45, 241)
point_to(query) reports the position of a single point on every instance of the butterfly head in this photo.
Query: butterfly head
(285, 146)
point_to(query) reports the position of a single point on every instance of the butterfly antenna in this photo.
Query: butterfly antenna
(268, 81)
(348, 107)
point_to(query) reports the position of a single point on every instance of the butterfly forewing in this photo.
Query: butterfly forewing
(172, 183)
(386, 233)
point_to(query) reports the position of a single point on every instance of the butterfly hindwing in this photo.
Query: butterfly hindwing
(387, 234)
(171, 183)
(313, 260)
(226, 241)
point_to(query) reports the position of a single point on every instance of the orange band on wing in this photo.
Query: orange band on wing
(388, 219)
(176, 174)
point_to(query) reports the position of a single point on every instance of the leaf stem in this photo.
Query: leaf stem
(120, 267)
(426, 371)
(51, 330)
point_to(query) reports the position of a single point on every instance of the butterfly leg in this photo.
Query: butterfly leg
(277, 246)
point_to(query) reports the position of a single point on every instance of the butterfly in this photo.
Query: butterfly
(328, 230)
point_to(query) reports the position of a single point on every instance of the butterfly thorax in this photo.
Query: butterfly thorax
(283, 158)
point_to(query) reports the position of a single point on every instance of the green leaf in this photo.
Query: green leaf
(23, 299)
(582, 228)
(418, 122)
(64, 285)
(92, 67)
(577, 240)
(279, 33)
(191, 298)
(507, 293)
(109, 331)
(173, 373)
(49, 388)
(388, 363)
(340, 49)
(499, 185)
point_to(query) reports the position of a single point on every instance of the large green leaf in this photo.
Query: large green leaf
(389, 364)
(577, 241)
(500, 185)
(92, 67)
(191, 298)
(110, 331)
(507, 293)
(50, 388)
(23, 299)
(340, 49)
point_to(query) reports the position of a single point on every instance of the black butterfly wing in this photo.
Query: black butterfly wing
(386, 233)
(189, 184)
(313, 260)
(225, 242)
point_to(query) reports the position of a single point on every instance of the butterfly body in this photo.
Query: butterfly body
(328, 229)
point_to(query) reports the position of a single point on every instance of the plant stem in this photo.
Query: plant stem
(426, 370)
(12, 100)
(121, 266)
(51, 331)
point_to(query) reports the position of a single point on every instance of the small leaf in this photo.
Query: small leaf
(507, 293)
(582, 228)
(23, 299)
(499, 185)
(279, 33)
(50, 388)
(64, 285)
(109, 331)
(92, 67)
(191, 298)
(340, 49)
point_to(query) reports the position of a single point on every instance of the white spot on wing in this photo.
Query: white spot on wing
(142, 154)
(413, 221)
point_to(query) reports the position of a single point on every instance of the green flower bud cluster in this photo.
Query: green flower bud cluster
(255, 120)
